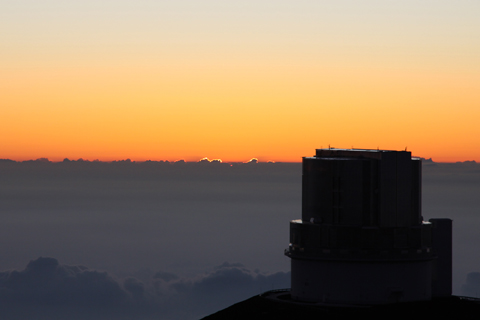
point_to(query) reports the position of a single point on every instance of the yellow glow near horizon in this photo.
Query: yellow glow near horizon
(273, 91)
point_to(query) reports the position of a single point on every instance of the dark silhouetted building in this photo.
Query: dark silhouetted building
(362, 238)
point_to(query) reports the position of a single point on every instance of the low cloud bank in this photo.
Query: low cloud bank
(46, 289)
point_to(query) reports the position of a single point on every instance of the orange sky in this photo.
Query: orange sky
(270, 82)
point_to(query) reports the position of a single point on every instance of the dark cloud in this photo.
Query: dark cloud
(227, 284)
(45, 281)
(57, 290)
(165, 276)
(135, 287)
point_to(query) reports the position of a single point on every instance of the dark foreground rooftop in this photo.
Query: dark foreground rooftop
(277, 305)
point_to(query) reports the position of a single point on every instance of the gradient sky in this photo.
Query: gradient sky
(274, 80)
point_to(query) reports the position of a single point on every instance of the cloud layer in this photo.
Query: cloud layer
(180, 221)
(49, 289)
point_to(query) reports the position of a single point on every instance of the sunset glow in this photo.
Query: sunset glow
(266, 79)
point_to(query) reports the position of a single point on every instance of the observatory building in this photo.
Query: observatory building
(362, 239)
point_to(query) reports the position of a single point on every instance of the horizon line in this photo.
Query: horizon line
(181, 161)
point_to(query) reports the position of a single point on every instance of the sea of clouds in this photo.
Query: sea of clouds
(153, 240)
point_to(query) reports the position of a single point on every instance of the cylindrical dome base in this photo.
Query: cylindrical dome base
(361, 282)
